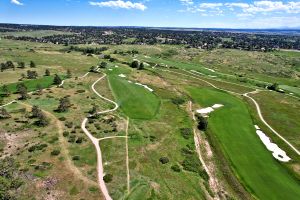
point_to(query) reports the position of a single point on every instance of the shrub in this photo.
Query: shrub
(76, 157)
(204, 175)
(66, 133)
(177, 101)
(108, 178)
(79, 140)
(164, 160)
(191, 163)
(62, 119)
(55, 152)
(176, 168)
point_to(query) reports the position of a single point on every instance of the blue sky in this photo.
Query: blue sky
(162, 13)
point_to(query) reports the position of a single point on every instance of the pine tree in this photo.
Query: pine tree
(32, 64)
(47, 72)
(64, 104)
(22, 90)
(57, 80)
(4, 114)
(69, 74)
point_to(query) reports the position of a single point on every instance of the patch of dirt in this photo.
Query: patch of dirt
(151, 80)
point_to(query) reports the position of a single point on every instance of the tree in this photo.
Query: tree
(93, 69)
(47, 72)
(5, 90)
(32, 74)
(43, 121)
(57, 80)
(21, 65)
(32, 64)
(64, 104)
(69, 74)
(93, 110)
(134, 64)
(4, 114)
(108, 178)
(274, 87)
(141, 66)
(35, 111)
(202, 122)
(164, 160)
(103, 65)
(22, 90)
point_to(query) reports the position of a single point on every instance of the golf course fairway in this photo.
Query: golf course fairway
(134, 100)
(232, 125)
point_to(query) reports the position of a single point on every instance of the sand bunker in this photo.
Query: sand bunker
(210, 69)
(209, 109)
(145, 86)
(122, 76)
(278, 153)
(197, 72)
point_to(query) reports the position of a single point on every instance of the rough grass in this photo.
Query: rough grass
(260, 173)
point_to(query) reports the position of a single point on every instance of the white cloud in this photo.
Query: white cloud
(210, 5)
(239, 5)
(120, 4)
(16, 2)
(187, 2)
(273, 6)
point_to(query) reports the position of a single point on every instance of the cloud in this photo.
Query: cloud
(16, 2)
(187, 2)
(273, 6)
(210, 5)
(120, 4)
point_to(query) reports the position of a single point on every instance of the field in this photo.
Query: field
(148, 144)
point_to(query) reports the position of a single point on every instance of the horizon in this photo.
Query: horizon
(210, 14)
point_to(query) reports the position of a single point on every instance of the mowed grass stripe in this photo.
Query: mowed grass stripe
(135, 101)
(262, 175)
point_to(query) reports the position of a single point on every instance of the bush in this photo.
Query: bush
(66, 133)
(176, 168)
(108, 178)
(55, 152)
(79, 140)
(76, 157)
(164, 160)
(177, 101)
(62, 119)
(186, 132)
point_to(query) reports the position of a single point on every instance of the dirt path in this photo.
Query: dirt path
(95, 141)
(14, 101)
(263, 120)
(111, 137)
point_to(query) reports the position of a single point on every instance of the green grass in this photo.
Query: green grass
(45, 82)
(252, 162)
(135, 101)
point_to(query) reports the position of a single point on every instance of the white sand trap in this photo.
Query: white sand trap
(145, 86)
(116, 66)
(147, 57)
(110, 69)
(122, 76)
(278, 153)
(212, 76)
(208, 110)
(129, 81)
(197, 72)
(217, 106)
(210, 69)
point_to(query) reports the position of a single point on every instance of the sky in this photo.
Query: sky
(154, 13)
